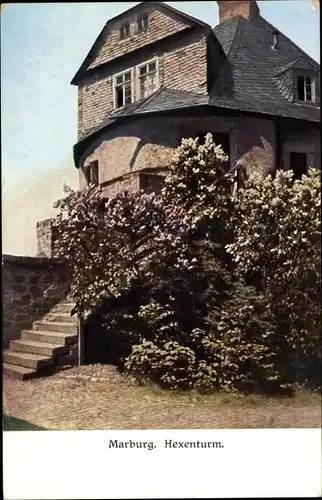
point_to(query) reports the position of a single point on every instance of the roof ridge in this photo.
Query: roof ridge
(235, 34)
(238, 36)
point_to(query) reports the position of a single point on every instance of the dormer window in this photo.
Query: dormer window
(124, 30)
(305, 88)
(143, 21)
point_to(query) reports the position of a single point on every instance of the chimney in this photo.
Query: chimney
(229, 9)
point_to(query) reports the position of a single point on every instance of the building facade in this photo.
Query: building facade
(155, 75)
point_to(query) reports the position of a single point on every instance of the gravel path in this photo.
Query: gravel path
(98, 397)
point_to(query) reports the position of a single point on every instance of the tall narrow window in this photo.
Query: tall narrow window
(92, 173)
(123, 89)
(143, 21)
(125, 30)
(147, 79)
(298, 163)
(305, 88)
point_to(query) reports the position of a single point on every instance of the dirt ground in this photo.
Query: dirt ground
(98, 397)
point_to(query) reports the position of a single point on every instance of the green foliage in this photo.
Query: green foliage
(171, 364)
(244, 341)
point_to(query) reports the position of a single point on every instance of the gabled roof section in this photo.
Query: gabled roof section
(298, 63)
(102, 37)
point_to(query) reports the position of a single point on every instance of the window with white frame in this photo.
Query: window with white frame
(147, 79)
(125, 30)
(143, 21)
(305, 88)
(123, 89)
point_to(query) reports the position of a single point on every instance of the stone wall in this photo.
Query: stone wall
(31, 286)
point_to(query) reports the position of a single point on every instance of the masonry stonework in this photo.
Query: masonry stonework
(31, 287)
(160, 26)
(150, 143)
(182, 64)
(229, 9)
(254, 141)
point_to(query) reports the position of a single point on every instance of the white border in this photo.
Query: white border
(252, 463)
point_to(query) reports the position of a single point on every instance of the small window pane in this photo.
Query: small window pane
(94, 173)
(300, 88)
(143, 87)
(119, 97)
(152, 67)
(152, 82)
(143, 70)
(127, 89)
(127, 94)
(119, 80)
(308, 88)
(142, 21)
(145, 19)
(125, 30)
(127, 76)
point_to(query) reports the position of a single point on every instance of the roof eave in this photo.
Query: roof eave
(216, 108)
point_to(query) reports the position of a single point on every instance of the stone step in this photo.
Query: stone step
(55, 326)
(64, 307)
(41, 348)
(60, 317)
(27, 359)
(18, 372)
(50, 337)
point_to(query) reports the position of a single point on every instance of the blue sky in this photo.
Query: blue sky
(42, 46)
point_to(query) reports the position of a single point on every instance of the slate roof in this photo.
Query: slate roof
(253, 78)
(164, 99)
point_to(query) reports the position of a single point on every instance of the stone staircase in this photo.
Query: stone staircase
(51, 343)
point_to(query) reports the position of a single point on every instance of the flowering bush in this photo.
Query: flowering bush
(110, 245)
(197, 180)
(277, 246)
